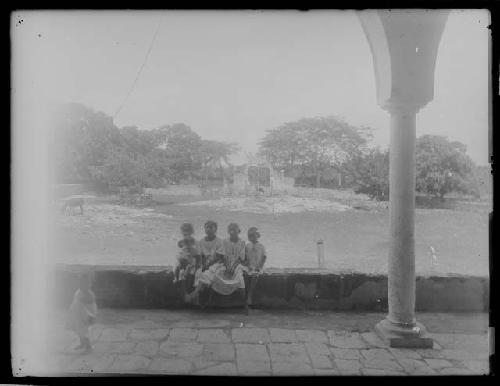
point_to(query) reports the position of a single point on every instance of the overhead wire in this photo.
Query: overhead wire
(132, 87)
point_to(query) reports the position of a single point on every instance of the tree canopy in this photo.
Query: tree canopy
(313, 145)
(87, 146)
(443, 167)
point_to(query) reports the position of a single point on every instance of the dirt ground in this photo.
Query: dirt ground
(354, 239)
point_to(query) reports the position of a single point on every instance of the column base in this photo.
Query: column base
(398, 336)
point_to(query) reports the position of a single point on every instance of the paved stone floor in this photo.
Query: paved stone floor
(264, 343)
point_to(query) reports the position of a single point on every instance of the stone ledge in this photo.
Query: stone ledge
(152, 287)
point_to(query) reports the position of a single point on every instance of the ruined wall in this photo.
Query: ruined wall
(278, 182)
(152, 287)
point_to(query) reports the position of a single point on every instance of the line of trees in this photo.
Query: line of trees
(320, 152)
(87, 146)
(326, 149)
(314, 147)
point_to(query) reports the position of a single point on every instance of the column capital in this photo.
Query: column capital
(404, 46)
(401, 108)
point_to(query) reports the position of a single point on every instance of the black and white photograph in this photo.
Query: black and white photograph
(248, 193)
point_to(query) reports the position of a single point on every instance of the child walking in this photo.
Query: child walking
(254, 261)
(82, 312)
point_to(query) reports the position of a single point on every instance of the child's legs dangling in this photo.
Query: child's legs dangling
(253, 282)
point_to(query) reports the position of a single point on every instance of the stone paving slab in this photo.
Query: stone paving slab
(251, 352)
(221, 369)
(147, 348)
(288, 352)
(320, 361)
(183, 335)
(345, 353)
(113, 335)
(181, 349)
(345, 339)
(129, 363)
(282, 335)
(163, 343)
(314, 348)
(114, 347)
(219, 352)
(155, 334)
(311, 336)
(212, 335)
(250, 335)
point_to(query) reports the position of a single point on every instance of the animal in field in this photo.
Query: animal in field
(72, 203)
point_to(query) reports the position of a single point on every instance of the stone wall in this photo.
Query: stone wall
(152, 287)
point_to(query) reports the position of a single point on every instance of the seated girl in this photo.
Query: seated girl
(254, 261)
(225, 275)
(212, 255)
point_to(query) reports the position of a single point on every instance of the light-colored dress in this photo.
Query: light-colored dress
(81, 311)
(217, 276)
(209, 249)
(254, 257)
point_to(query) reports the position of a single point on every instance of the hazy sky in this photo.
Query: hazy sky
(231, 75)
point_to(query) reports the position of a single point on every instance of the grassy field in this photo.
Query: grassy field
(354, 239)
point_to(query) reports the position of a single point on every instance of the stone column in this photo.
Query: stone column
(404, 46)
(400, 327)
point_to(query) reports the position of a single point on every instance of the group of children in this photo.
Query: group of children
(222, 265)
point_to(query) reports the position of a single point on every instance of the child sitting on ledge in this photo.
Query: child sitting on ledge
(187, 259)
(255, 258)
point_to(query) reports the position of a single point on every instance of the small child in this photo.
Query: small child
(187, 259)
(255, 258)
(82, 312)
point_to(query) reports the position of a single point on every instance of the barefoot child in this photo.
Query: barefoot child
(188, 256)
(82, 312)
(255, 259)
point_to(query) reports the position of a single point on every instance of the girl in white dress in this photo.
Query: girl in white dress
(211, 249)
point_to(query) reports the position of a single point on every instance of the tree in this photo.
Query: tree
(443, 167)
(212, 155)
(86, 146)
(280, 147)
(313, 145)
(370, 173)
(81, 140)
(141, 142)
(182, 148)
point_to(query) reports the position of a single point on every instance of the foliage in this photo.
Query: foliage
(443, 167)
(87, 146)
(81, 140)
(212, 156)
(370, 173)
(484, 180)
(312, 146)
